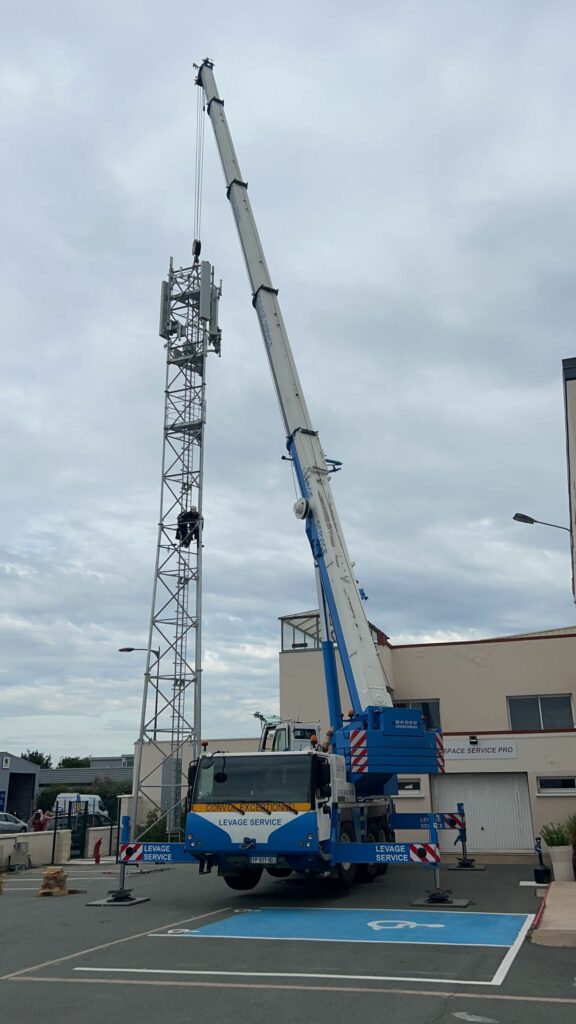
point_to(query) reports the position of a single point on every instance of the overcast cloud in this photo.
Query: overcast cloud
(412, 170)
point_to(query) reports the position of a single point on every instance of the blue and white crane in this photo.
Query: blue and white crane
(313, 811)
(340, 603)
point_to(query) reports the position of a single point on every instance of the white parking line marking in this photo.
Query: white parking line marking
(280, 974)
(513, 952)
(71, 878)
(107, 945)
(188, 934)
(11, 887)
(462, 1015)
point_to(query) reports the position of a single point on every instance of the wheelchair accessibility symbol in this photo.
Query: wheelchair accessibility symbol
(379, 926)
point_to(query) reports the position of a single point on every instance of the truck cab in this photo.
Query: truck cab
(277, 811)
(285, 734)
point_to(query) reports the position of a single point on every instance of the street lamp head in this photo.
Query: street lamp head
(521, 518)
(129, 650)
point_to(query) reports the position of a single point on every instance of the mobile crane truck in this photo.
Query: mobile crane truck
(305, 810)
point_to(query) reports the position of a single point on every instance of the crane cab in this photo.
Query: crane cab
(279, 735)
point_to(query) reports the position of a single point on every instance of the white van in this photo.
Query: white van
(78, 801)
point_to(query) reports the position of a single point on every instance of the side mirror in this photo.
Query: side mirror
(323, 773)
(192, 770)
(325, 792)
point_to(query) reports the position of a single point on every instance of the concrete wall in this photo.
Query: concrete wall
(302, 690)
(537, 755)
(92, 837)
(471, 681)
(39, 847)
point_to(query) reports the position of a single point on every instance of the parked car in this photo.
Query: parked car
(10, 823)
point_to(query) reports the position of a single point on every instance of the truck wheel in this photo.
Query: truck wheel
(368, 872)
(347, 871)
(279, 872)
(244, 880)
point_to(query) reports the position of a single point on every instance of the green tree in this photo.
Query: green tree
(47, 797)
(109, 790)
(37, 757)
(74, 762)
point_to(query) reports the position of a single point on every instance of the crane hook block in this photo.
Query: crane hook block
(301, 508)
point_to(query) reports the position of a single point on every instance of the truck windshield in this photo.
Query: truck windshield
(228, 779)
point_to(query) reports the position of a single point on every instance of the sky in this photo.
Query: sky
(412, 171)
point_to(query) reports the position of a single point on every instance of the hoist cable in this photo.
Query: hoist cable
(294, 481)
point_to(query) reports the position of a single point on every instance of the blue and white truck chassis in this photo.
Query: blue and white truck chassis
(237, 824)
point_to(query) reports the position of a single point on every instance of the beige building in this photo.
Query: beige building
(505, 705)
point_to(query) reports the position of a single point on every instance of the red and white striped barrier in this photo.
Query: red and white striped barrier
(358, 751)
(425, 853)
(130, 853)
(454, 821)
(440, 754)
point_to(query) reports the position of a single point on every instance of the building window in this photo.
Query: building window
(430, 710)
(409, 787)
(556, 785)
(301, 634)
(533, 714)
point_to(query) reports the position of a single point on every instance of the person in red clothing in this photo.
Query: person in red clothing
(39, 822)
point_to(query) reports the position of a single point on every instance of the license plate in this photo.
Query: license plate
(263, 860)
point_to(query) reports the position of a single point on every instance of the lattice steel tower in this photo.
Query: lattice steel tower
(170, 722)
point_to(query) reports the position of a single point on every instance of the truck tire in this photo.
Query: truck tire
(244, 880)
(346, 873)
(369, 872)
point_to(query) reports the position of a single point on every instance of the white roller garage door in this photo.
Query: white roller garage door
(497, 806)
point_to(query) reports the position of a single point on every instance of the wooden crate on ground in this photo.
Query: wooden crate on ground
(53, 883)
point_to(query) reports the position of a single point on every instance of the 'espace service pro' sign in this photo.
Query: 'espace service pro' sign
(485, 749)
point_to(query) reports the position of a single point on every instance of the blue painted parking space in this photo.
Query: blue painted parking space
(428, 927)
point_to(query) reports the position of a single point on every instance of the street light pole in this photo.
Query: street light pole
(137, 771)
(128, 650)
(520, 517)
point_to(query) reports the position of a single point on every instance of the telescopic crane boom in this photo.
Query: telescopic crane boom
(363, 672)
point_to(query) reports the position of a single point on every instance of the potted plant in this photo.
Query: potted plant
(558, 840)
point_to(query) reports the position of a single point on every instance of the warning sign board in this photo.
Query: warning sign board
(153, 853)
(424, 853)
(130, 853)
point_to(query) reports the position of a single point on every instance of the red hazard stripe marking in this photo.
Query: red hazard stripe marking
(131, 851)
(358, 751)
(454, 820)
(425, 853)
(440, 752)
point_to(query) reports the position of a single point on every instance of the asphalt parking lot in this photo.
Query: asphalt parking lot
(287, 948)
